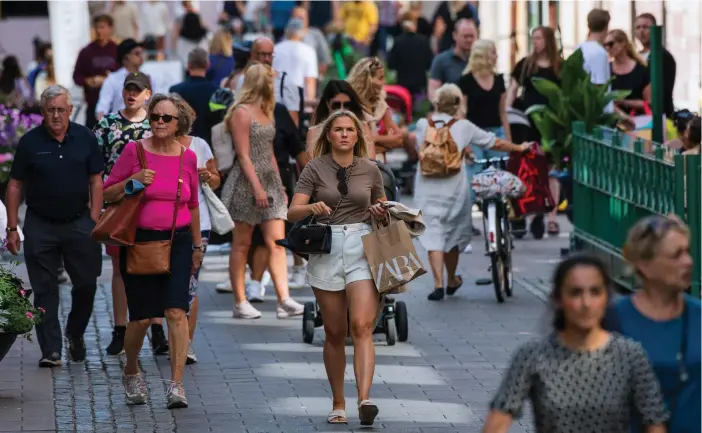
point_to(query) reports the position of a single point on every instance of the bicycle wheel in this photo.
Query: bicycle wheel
(506, 250)
(497, 266)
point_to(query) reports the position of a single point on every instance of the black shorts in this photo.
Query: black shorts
(148, 296)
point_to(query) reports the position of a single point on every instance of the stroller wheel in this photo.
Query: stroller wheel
(308, 322)
(390, 331)
(401, 321)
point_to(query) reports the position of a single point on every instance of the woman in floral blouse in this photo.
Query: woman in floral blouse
(113, 132)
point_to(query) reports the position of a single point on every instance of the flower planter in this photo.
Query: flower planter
(6, 342)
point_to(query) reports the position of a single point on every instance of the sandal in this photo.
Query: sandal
(451, 290)
(337, 416)
(436, 295)
(367, 411)
(553, 228)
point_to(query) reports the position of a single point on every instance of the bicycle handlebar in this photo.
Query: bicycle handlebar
(488, 160)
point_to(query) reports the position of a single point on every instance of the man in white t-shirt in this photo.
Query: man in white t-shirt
(297, 59)
(596, 58)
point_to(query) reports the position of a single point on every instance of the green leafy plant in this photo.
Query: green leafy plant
(17, 314)
(575, 98)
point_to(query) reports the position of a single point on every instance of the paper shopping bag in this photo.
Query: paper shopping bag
(391, 255)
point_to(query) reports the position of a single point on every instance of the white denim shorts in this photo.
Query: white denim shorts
(345, 263)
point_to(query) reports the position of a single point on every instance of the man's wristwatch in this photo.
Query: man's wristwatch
(199, 248)
(11, 229)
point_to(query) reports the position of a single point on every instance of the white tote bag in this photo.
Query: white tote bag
(219, 215)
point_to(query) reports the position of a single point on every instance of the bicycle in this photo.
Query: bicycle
(498, 236)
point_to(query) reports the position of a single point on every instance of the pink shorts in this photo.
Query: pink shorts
(112, 251)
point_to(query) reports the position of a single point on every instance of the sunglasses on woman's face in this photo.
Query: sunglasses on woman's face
(337, 105)
(167, 118)
(343, 185)
(609, 44)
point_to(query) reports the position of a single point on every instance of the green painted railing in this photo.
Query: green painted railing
(618, 180)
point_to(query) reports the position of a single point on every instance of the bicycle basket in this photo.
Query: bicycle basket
(497, 183)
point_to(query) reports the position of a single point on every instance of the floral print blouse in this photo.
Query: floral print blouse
(114, 131)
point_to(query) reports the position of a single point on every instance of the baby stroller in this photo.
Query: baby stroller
(392, 322)
(399, 99)
(393, 319)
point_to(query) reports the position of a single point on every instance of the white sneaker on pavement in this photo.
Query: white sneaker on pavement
(266, 279)
(468, 249)
(224, 287)
(297, 278)
(289, 308)
(246, 311)
(255, 291)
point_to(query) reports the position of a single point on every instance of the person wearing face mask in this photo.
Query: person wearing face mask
(113, 132)
(580, 378)
(664, 319)
(348, 189)
(168, 211)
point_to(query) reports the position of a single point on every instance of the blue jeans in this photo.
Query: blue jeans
(481, 153)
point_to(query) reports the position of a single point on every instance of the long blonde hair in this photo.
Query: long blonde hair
(323, 145)
(222, 44)
(361, 78)
(621, 37)
(256, 89)
(479, 59)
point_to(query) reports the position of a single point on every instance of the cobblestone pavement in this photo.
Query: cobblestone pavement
(257, 376)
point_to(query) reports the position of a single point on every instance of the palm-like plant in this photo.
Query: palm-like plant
(575, 98)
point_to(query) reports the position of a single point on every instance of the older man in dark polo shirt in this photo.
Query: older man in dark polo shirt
(60, 166)
(449, 65)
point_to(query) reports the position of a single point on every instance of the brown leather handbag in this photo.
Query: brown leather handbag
(117, 224)
(154, 258)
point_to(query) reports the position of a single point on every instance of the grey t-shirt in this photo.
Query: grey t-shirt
(315, 39)
(447, 67)
(318, 180)
(290, 96)
(576, 392)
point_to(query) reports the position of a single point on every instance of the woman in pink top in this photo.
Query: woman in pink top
(150, 296)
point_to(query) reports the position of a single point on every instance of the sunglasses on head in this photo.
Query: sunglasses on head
(658, 227)
(167, 118)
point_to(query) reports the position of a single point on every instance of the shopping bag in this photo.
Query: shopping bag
(391, 255)
(532, 169)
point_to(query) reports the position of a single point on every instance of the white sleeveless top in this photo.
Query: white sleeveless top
(204, 154)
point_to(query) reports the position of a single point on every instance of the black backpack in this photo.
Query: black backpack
(304, 122)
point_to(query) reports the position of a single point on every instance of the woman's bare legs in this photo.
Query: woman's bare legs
(436, 262)
(119, 296)
(451, 261)
(555, 186)
(133, 340)
(192, 318)
(178, 338)
(237, 259)
(333, 308)
(274, 230)
(362, 298)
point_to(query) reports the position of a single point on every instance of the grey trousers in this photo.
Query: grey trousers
(46, 245)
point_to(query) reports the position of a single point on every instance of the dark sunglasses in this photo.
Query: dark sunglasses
(337, 105)
(609, 44)
(342, 177)
(167, 118)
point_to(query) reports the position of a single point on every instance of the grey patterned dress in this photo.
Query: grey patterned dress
(582, 392)
(237, 193)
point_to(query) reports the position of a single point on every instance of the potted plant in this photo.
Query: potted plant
(575, 98)
(13, 125)
(17, 314)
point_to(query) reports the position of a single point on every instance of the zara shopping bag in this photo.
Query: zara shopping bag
(391, 255)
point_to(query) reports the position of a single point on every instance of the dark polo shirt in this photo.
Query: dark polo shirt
(56, 175)
(447, 67)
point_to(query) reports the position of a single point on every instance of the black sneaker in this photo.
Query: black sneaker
(53, 360)
(116, 346)
(76, 348)
(159, 342)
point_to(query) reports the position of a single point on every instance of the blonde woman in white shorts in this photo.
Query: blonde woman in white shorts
(347, 188)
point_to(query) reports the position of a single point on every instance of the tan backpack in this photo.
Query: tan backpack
(439, 155)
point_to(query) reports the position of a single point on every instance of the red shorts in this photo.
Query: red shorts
(112, 251)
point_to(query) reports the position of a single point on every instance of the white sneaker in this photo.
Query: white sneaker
(246, 311)
(191, 358)
(289, 308)
(224, 287)
(468, 249)
(255, 291)
(297, 278)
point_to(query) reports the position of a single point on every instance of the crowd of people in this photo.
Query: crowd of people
(252, 136)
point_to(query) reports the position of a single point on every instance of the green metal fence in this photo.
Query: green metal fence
(618, 180)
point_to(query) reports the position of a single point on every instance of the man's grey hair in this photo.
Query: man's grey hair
(55, 91)
(294, 28)
(198, 58)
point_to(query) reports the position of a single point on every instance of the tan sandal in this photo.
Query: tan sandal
(367, 411)
(337, 416)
